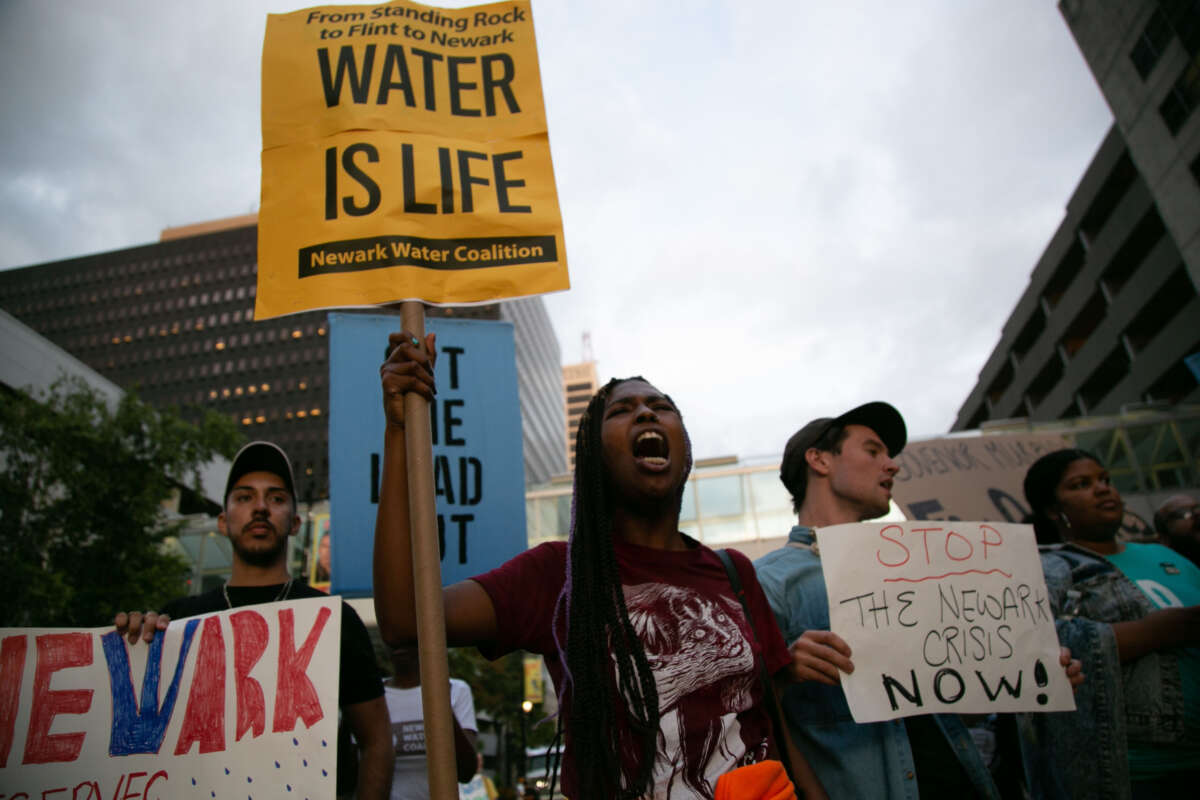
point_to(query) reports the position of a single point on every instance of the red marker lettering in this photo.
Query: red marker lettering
(204, 721)
(162, 773)
(970, 547)
(129, 791)
(12, 669)
(999, 540)
(250, 633)
(295, 696)
(883, 535)
(925, 537)
(57, 651)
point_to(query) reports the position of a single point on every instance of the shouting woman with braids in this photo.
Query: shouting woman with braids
(649, 647)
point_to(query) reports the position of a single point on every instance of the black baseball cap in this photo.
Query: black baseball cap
(261, 457)
(880, 417)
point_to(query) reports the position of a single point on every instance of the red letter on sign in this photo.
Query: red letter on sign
(295, 696)
(12, 668)
(883, 535)
(204, 721)
(999, 540)
(250, 633)
(57, 651)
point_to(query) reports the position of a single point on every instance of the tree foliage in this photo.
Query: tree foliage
(498, 688)
(82, 502)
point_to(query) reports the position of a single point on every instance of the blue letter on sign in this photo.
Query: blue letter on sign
(141, 730)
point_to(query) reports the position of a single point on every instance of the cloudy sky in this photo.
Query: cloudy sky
(773, 210)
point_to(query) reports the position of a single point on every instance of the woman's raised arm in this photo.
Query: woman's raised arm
(470, 617)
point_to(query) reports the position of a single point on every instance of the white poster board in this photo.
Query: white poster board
(942, 617)
(240, 703)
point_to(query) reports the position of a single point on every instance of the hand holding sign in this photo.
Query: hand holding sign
(818, 656)
(408, 368)
(135, 624)
(943, 617)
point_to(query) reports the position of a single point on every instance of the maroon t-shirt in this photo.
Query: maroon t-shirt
(697, 641)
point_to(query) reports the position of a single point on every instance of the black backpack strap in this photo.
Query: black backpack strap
(781, 734)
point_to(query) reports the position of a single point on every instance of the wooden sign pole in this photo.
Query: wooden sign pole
(427, 583)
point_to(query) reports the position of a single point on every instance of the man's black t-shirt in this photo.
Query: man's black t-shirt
(359, 678)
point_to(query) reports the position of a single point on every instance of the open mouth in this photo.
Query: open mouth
(887, 484)
(650, 448)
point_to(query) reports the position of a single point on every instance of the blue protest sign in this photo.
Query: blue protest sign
(476, 425)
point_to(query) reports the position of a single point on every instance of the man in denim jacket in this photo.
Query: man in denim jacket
(840, 470)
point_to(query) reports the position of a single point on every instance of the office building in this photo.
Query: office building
(176, 319)
(1111, 311)
(579, 383)
(538, 377)
(1145, 56)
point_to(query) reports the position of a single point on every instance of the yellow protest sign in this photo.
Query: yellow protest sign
(533, 678)
(405, 156)
(470, 73)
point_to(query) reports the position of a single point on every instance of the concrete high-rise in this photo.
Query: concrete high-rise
(1145, 56)
(1111, 310)
(579, 383)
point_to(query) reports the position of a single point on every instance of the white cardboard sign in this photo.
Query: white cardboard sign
(942, 617)
(240, 703)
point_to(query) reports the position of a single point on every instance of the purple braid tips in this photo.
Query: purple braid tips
(562, 606)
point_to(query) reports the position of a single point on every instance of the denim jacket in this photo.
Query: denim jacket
(1141, 701)
(852, 760)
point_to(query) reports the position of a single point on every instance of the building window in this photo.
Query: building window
(1176, 382)
(1112, 191)
(1106, 376)
(1183, 97)
(1029, 334)
(1086, 321)
(1133, 251)
(1175, 293)
(1150, 44)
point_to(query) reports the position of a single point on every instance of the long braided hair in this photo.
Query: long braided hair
(599, 636)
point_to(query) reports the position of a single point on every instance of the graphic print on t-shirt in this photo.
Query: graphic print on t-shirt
(409, 738)
(704, 672)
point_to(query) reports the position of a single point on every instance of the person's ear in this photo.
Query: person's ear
(1059, 516)
(819, 461)
(295, 525)
(222, 528)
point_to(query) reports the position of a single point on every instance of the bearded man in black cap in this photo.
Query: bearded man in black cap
(840, 470)
(258, 517)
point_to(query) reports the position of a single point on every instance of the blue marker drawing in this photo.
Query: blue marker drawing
(140, 728)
